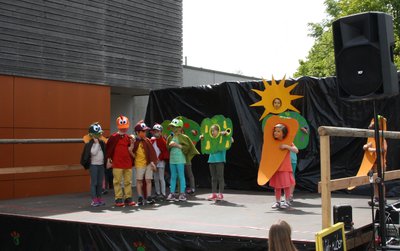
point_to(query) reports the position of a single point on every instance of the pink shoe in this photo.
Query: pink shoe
(100, 201)
(94, 203)
(212, 197)
(220, 196)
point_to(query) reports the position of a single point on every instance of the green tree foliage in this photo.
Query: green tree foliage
(320, 61)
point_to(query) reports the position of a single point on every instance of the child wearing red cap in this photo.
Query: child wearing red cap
(145, 162)
(120, 158)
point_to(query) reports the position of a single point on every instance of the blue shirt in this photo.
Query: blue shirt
(217, 157)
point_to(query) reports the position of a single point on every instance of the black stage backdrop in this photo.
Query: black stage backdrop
(320, 106)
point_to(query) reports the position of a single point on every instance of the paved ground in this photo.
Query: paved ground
(240, 214)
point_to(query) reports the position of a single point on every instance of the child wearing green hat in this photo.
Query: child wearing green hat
(181, 151)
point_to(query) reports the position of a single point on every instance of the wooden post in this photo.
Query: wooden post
(325, 181)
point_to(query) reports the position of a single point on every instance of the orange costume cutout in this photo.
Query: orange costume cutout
(272, 156)
(369, 159)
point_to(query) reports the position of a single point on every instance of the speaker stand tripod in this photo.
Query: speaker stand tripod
(380, 181)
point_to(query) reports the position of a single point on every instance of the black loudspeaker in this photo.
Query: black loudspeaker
(343, 213)
(364, 46)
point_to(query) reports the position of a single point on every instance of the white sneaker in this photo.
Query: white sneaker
(171, 197)
(276, 205)
(182, 197)
(285, 205)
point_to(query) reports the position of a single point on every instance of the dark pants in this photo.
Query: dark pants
(190, 176)
(217, 177)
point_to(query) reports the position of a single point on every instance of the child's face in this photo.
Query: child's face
(176, 130)
(156, 133)
(277, 103)
(278, 134)
(141, 134)
(214, 132)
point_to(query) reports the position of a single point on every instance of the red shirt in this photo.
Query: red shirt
(121, 157)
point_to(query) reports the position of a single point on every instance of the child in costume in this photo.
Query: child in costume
(368, 147)
(283, 178)
(181, 151)
(93, 158)
(145, 162)
(216, 163)
(160, 146)
(120, 158)
(277, 103)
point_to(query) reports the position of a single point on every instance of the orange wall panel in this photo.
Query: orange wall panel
(51, 186)
(53, 174)
(6, 101)
(35, 109)
(6, 189)
(55, 104)
(6, 151)
(47, 154)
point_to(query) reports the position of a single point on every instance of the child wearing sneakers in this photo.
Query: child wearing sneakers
(121, 160)
(160, 146)
(145, 162)
(181, 151)
(283, 177)
(216, 163)
(93, 158)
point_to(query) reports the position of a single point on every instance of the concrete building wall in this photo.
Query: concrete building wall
(133, 107)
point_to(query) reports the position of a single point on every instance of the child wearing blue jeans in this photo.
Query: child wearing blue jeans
(181, 151)
(93, 158)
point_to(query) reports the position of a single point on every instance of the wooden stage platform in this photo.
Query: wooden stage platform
(242, 215)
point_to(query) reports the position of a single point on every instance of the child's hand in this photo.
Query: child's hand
(366, 146)
(174, 144)
(284, 146)
(96, 140)
(304, 129)
(153, 166)
(109, 164)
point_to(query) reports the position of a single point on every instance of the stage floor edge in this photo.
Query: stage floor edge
(241, 221)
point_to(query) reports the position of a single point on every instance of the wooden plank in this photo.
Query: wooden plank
(38, 169)
(344, 183)
(354, 132)
(325, 181)
(40, 141)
